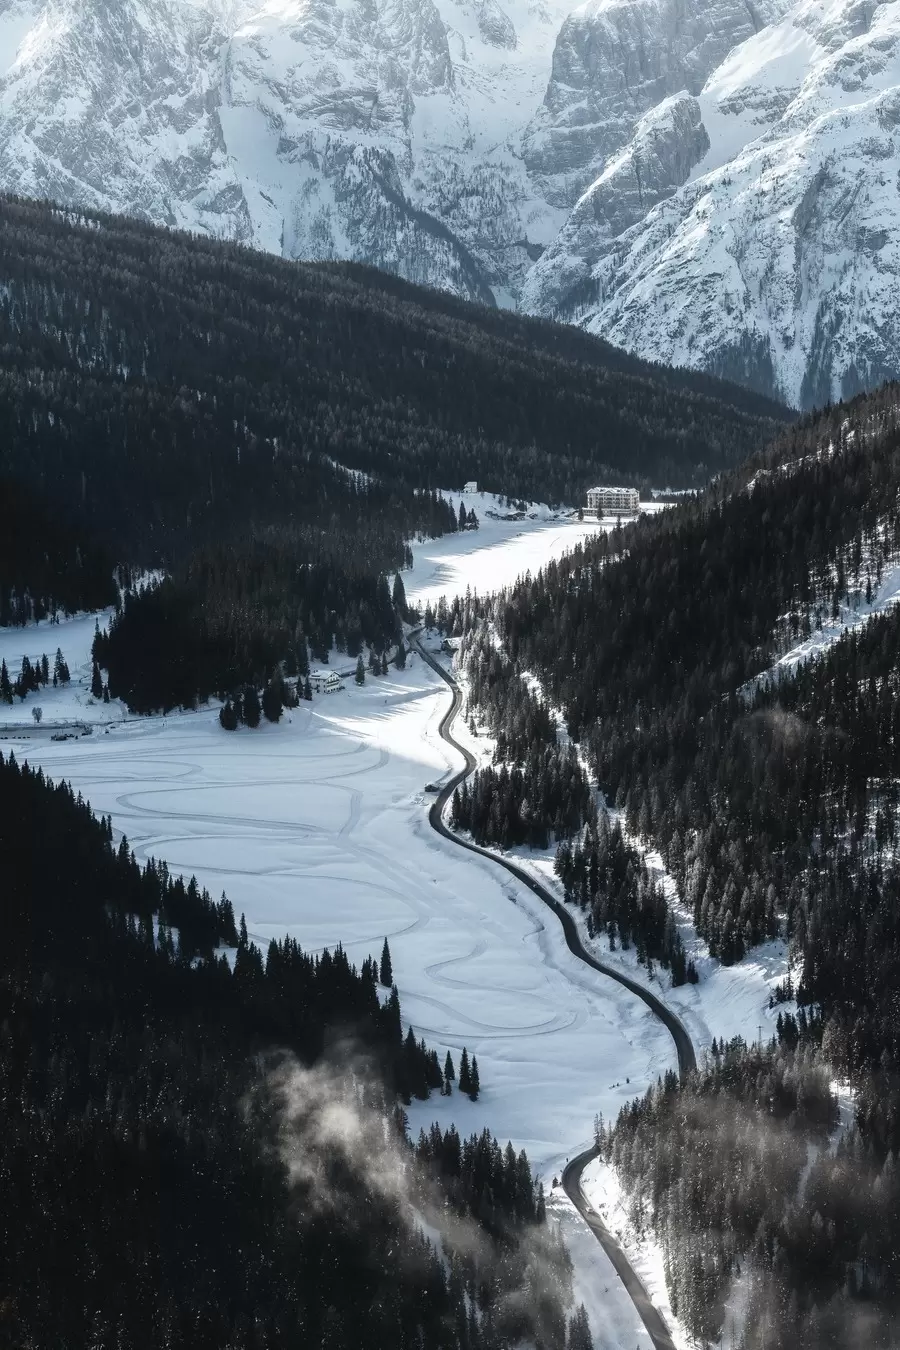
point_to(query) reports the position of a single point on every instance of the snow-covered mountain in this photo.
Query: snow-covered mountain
(381, 130)
(717, 186)
(754, 230)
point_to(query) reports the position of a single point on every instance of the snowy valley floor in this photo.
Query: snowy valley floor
(318, 828)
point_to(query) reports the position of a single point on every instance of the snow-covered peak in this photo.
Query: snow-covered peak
(709, 185)
(776, 258)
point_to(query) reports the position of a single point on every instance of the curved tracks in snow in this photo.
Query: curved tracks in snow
(653, 1321)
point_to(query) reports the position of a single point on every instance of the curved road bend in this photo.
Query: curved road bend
(571, 1179)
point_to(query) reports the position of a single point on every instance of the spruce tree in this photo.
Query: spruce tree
(360, 670)
(399, 597)
(272, 700)
(252, 711)
(449, 1075)
(385, 972)
(474, 1084)
(579, 1337)
(400, 658)
(465, 1080)
(307, 690)
(228, 717)
(96, 682)
(6, 693)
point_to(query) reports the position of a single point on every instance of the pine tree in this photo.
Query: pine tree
(360, 670)
(251, 708)
(96, 682)
(399, 597)
(385, 972)
(228, 717)
(465, 1079)
(272, 699)
(474, 1084)
(579, 1336)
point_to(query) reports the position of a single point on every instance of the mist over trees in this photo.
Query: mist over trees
(740, 1171)
(167, 1176)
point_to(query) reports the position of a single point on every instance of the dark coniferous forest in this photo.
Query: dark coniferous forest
(272, 434)
(166, 1177)
(772, 798)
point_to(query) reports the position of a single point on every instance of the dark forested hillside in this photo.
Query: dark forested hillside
(742, 1172)
(772, 797)
(46, 565)
(255, 426)
(168, 1175)
(162, 387)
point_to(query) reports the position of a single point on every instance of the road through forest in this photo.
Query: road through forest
(653, 1321)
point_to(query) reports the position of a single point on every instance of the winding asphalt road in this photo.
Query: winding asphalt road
(656, 1327)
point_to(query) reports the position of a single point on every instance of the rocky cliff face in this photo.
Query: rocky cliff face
(710, 185)
(776, 260)
(379, 130)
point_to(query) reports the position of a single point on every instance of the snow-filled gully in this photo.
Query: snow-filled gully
(651, 1318)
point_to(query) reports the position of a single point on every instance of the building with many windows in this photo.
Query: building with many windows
(614, 501)
(325, 681)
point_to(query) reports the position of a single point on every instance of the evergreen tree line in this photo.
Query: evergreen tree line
(515, 716)
(547, 797)
(609, 880)
(32, 677)
(606, 877)
(234, 624)
(739, 1172)
(493, 1184)
(143, 1199)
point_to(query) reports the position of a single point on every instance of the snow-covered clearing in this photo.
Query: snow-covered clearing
(506, 545)
(318, 828)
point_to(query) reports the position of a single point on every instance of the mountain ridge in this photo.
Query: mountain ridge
(708, 190)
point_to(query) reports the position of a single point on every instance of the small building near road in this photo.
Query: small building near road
(325, 681)
(471, 486)
(614, 501)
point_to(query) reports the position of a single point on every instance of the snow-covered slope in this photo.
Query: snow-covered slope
(381, 130)
(710, 185)
(771, 253)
